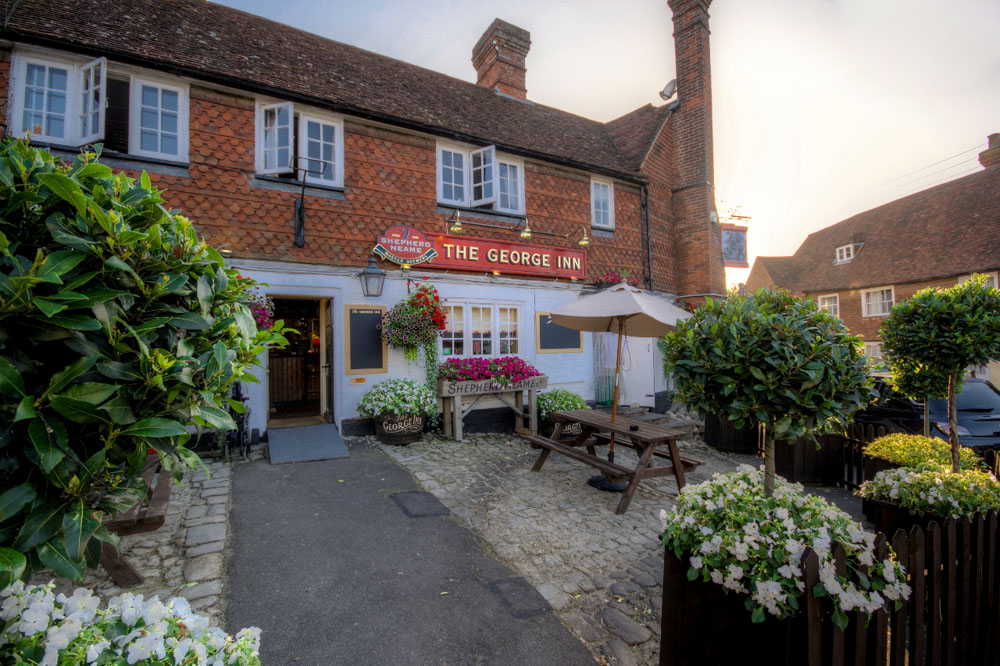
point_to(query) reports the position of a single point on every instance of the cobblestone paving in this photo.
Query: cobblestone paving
(601, 573)
(186, 556)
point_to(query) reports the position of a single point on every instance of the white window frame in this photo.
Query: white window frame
(102, 99)
(484, 175)
(873, 352)
(262, 108)
(844, 254)
(135, 115)
(467, 339)
(610, 226)
(868, 292)
(72, 116)
(836, 303)
(468, 199)
(338, 148)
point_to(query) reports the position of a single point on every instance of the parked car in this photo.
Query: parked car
(977, 406)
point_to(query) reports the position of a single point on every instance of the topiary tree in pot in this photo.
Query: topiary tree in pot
(918, 381)
(946, 330)
(769, 358)
(119, 327)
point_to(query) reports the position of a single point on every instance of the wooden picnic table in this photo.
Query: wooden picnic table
(644, 438)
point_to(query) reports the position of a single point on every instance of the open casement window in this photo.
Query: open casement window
(93, 94)
(59, 102)
(484, 172)
(321, 150)
(274, 138)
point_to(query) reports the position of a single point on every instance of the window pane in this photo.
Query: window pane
(312, 130)
(54, 126)
(147, 141)
(57, 103)
(149, 119)
(168, 144)
(328, 133)
(169, 121)
(32, 121)
(34, 100)
(150, 97)
(58, 78)
(169, 98)
(36, 76)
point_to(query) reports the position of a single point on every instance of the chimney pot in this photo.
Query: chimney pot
(499, 58)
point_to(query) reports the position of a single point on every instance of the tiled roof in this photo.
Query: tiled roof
(635, 132)
(948, 230)
(209, 41)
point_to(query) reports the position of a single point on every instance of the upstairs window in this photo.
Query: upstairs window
(877, 302)
(844, 254)
(602, 204)
(299, 145)
(75, 104)
(830, 303)
(480, 178)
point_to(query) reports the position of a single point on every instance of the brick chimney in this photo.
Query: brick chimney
(499, 56)
(990, 158)
(698, 234)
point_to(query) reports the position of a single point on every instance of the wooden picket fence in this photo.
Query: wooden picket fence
(952, 617)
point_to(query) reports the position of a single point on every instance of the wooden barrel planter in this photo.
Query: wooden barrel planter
(570, 430)
(888, 517)
(801, 462)
(701, 624)
(399, 429)
(720, 434)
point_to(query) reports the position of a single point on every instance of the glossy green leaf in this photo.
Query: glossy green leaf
(42, 524)
(65, 188)
(78, 411)
(14, 499)
(79, 526)
(42, 438)
(12, 566)
(155, 427)
(11, 382)
(54, 555)
(62, 378)
(25, 409)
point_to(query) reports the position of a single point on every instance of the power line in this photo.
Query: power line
(969, 150)
(934, 173)
(943, 180)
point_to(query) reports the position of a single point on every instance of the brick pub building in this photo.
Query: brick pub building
(294, 154)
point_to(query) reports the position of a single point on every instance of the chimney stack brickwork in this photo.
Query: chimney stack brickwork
(499, 58)
(990, 158)
(698, 234)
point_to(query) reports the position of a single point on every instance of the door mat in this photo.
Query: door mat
(305, 444)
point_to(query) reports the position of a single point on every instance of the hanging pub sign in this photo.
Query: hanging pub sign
(495, 256)
(734, 246)
(405, 245)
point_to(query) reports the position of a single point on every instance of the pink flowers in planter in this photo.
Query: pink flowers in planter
(614, 277)
(503, 371)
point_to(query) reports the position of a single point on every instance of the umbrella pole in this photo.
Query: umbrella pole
(614, 399)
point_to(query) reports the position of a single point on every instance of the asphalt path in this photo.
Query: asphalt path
(334, 571)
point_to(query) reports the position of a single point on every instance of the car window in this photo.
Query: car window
(978, 397)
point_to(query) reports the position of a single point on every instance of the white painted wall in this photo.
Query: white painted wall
(573, 371)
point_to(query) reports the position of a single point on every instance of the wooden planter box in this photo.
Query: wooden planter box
(888, 517)
(399, 430)
(801, 462)
(458, 398)
(720, 434)
(875, 465)
(702, 625)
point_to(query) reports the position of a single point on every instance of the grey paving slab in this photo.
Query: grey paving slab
(334, 572)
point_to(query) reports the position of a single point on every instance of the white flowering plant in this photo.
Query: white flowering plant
(934, 488)
(404, 397)
(748, 543)
(47, 629)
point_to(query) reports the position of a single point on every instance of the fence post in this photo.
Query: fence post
(837, 638)
(918, 597)
(814, 624)
(935, 583)
(950, 583)
(897, 652)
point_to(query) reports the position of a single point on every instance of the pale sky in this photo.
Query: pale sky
(822, 108)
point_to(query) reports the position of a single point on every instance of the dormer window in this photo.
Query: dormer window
(845, 253)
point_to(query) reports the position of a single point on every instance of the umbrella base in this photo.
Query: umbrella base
(602, 482)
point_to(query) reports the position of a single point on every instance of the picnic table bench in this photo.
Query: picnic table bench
(643, 438)
(145, 516)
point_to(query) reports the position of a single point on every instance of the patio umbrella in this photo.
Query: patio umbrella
(627, 311)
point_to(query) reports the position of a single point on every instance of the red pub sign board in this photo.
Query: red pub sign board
(481, 254)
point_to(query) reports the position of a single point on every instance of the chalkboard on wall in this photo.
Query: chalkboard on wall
(551, 338)
(365, 351)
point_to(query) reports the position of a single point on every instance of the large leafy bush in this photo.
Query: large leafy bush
(118, 328)
(768, 358)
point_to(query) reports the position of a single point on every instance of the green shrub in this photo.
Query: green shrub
(403, 397)
(118, 328)
(559, 400)
(933, 488)
(914, 450)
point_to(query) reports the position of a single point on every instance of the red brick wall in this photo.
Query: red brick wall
(658, 168)
(867, 327)
(4, 86)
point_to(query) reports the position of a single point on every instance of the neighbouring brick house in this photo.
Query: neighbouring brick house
(860, 267)
(294, 153)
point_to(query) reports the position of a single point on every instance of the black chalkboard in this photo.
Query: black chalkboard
(553, 338)
(365, 349)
